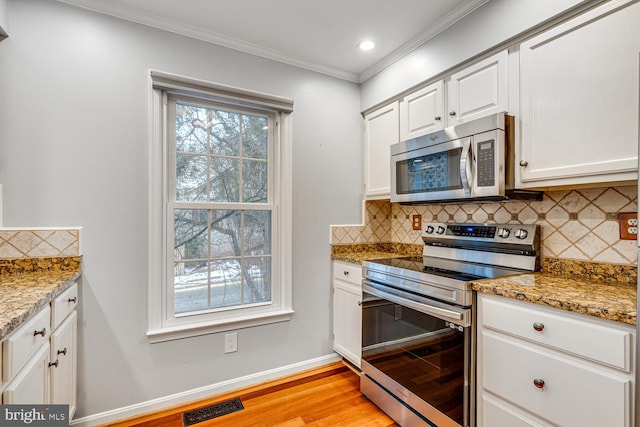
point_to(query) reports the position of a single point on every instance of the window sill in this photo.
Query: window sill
(204, 328)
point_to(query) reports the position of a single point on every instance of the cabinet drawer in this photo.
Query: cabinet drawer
(574, 393)
(351, 273)
(18, 347)
(64, 304)
(562, 331)
(498, 414)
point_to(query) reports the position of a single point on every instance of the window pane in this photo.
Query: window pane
(225, 283)
(191, 238)
(191, 178)
(225, 180)
(256, 280)
(257, 233)
(254, 137)
(191, 128)
(190, 286)
(226, 233)
(254, 181)
(225, 133)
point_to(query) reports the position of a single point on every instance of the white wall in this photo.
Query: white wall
(490, 25)
(73, 114)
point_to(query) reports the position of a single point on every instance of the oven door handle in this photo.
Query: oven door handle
(466, 173)
(457, 317)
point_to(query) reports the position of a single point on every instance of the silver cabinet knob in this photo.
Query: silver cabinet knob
(452, 113)
(524, 163)
(438, 118)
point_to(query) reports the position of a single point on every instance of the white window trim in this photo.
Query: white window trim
(161, 328)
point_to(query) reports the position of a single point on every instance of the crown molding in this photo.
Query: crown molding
(433, 30)
(155, 21)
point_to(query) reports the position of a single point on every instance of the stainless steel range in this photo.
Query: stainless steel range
(418, 333)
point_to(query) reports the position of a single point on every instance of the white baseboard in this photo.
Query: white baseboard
(202, 392)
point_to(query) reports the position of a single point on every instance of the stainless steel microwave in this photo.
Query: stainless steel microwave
(470, 161)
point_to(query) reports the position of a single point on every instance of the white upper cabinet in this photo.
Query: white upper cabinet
(422, 111)
(478, 90)
(381, 131)
(579, 99)
(475, 91)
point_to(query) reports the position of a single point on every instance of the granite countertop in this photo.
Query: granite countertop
(596, 289)
(28, 286)
(612, 301)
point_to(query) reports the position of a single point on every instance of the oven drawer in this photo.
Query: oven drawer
(351, 273)
(563, 331)
(569, 392)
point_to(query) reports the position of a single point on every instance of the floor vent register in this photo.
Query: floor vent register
(209, 412)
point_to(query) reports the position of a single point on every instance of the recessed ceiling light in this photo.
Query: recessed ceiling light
(366, 45)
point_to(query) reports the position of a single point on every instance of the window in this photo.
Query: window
(220, 211)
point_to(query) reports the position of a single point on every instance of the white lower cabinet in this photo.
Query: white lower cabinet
(347, 311)
(31, 385)
(39, 358)
(538, 367)
(64, 363)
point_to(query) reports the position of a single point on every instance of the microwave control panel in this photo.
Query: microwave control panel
(486, 163)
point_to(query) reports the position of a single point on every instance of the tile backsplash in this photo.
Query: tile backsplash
(39, 242)
(580, 224)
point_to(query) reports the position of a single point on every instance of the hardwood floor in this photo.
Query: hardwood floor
(327, 396)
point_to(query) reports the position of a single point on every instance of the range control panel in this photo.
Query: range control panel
(525, 234)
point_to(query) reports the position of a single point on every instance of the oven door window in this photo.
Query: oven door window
(424, 354)
(429, 173)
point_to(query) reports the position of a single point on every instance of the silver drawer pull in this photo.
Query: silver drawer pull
(54, 363)
(538, 326)
(74, 299)
(539, 383)
(43, 332)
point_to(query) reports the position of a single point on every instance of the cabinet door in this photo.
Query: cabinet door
(347, 321)
(64, 363)
(31, 385)
(495, 413)
(579, 99)
(381, 131)
(478, 90)
(421, 112)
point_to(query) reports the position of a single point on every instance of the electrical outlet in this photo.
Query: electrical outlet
(416, 221)
(628, 225)
(231, 342)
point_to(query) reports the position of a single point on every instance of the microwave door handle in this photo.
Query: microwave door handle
(466, 175)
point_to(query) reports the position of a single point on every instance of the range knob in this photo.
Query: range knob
(440, 230)
(429, 229)
(504, 232)
(521, 234)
